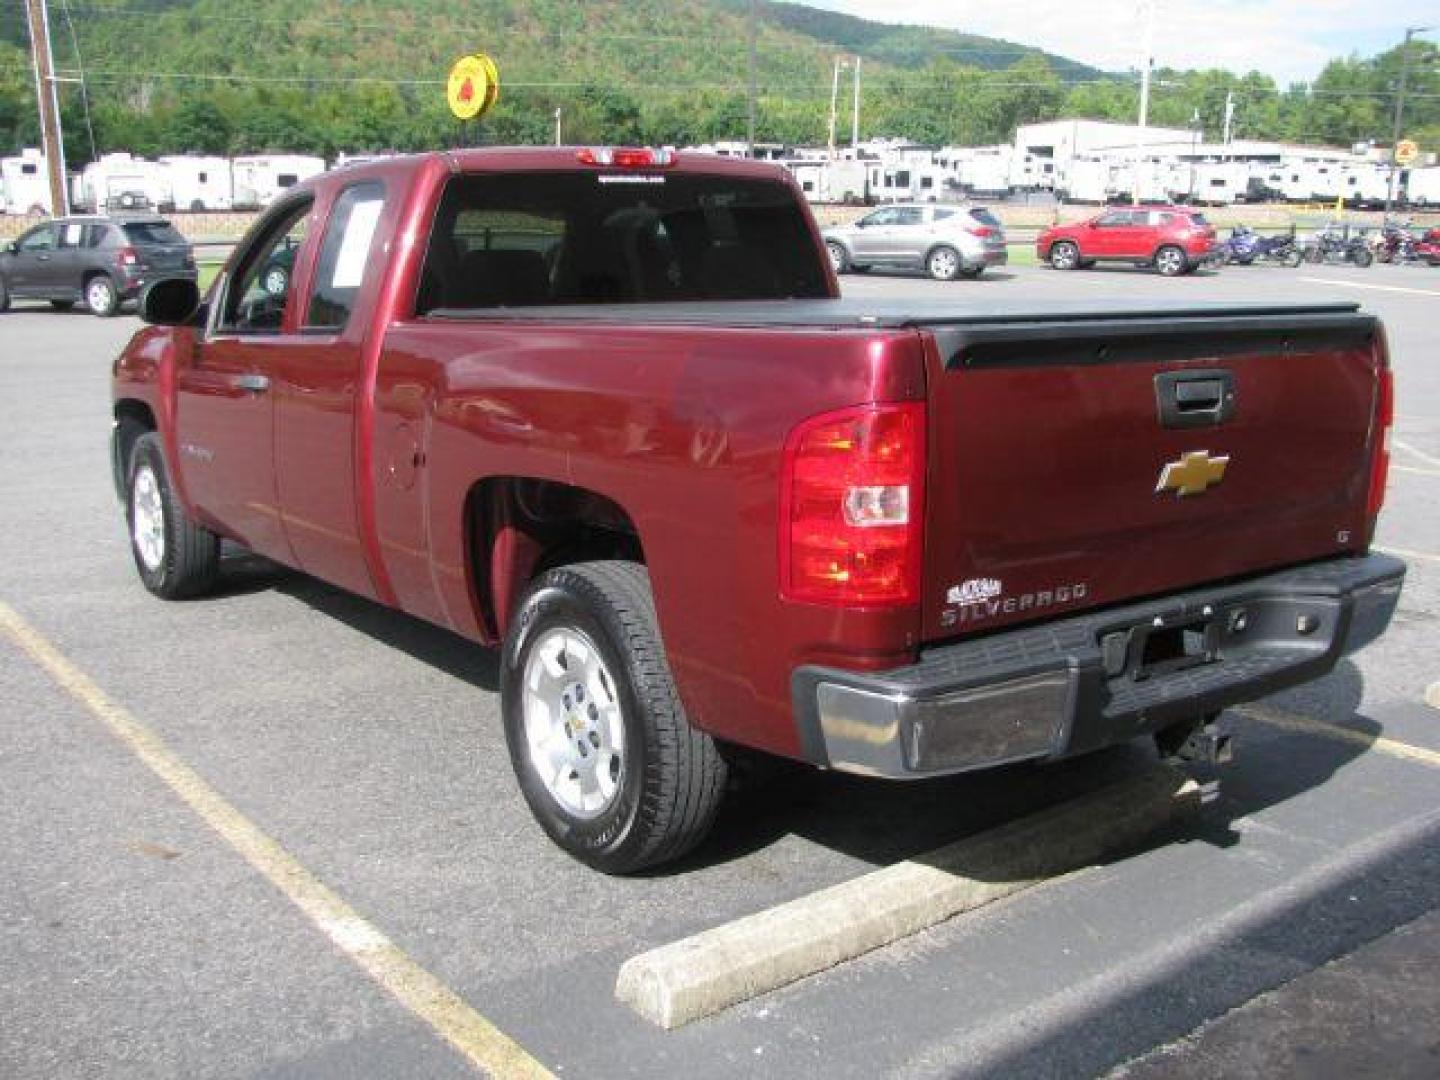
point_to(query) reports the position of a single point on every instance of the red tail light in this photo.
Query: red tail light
(625, 157)
(1380, 449)
(129, 257)
(982, 230)
(852, 505)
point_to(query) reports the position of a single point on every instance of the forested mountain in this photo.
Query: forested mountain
(168, 76)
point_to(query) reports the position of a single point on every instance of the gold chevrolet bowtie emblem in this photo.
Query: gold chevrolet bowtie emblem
(1192, 474)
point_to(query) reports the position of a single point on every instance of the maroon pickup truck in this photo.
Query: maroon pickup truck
(604, 409)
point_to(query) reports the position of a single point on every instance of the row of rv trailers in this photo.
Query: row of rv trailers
(182, 182)
(1094, 161)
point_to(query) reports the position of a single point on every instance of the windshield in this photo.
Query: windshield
(503, 240)
(152, 232)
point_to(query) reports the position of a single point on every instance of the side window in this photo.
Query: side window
(909, 215)
(344, 255)
(880, 217)
(1116, 219)
(41, 239)
(72, 234)
(256, 295)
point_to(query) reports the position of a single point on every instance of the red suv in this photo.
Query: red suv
(1173, 239)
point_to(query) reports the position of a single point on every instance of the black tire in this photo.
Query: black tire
(189, 556)
(670, 777)
(1170, 261)
(1064, 255)
(62, 305)
(1363, 258)
(839, 257)
(4, 296)
(1294, 258)
(101, 296)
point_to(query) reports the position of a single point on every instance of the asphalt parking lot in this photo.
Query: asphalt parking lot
(140, 937)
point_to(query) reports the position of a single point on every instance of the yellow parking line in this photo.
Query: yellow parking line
(1307, 726)
(434, 1003)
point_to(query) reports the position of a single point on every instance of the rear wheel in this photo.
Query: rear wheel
(1171, 261)
(101, 297)
(1293, 258)
(1064, 255)
(600, 744)
(839, 257)
(1363, 257)
(943, 263)
(175, 557)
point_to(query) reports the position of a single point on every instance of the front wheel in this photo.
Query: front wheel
(1064, 256)
(943, 264)
(101, 297)
(1293, 258)
(1171, 261)
(839, 258)
(605, 756)
(1363, 258)
(175, 557)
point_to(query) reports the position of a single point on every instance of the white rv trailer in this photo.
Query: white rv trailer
(259, 179)
(1422, 187)
(1220, 183)
(199, 182)
(25, 183)
(829, 181)
(1089, 180)
(123, 182)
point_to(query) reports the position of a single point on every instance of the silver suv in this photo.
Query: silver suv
(945, 241)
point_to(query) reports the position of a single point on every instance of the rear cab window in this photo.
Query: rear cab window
(580, 237)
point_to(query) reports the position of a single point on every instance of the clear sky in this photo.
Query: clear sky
(1288, 39)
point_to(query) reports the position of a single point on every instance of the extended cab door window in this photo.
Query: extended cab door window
(260, 288)
(344, 256)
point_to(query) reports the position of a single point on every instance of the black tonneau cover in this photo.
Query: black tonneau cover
(864, 314)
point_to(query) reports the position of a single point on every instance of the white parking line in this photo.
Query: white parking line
(1401, 444)
(1414, 471)
(1432, 695)
(481, 1043)
(1367, 285)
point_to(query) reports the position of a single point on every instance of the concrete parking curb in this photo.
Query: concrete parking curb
(700, 975)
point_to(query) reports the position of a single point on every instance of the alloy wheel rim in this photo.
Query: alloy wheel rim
(98, 295)
(943, 264)
(147, 518)
(837, 258)
(1169, 262)
(574, 726)
(1064, 256)
(275, 282)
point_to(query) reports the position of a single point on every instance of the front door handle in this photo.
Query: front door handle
(254, 384)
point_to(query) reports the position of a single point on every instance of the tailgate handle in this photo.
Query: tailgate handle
(1187, 399)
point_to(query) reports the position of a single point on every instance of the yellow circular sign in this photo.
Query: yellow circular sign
(473, 86)
(1406, 151)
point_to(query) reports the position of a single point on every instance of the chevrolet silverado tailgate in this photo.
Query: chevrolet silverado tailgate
(1090, 458)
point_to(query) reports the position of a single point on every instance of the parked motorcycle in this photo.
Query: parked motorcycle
(1395, 243)
(1428, 247)
(1333, 245)
(1246, 247)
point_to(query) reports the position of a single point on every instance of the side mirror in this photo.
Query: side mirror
(171, 302)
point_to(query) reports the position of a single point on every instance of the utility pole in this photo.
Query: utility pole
(834, 98)
(1147, 61)
(45, 98)
(754, 34)
(1394, 187)
(855, 112)
(1229, 115)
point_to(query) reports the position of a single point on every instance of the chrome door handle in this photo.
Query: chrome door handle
(255, 384)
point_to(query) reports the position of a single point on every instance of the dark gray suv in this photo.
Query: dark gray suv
(103, 261)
